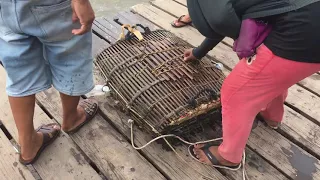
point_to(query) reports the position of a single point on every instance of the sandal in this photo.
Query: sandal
(211, 157)
(90, 107)
(180, 21)
(49, 135)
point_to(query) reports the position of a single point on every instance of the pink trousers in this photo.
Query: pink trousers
(261, 86)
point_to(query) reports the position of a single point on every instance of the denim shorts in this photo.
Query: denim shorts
(38, 50)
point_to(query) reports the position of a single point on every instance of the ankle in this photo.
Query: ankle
(223, 160)
(29, 142)
(71, 118)
(28, 138)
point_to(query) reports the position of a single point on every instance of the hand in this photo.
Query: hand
(188, 55)
(82, 12)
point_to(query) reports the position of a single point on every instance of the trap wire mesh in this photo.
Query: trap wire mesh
(163, 93)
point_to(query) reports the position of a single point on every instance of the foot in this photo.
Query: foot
(270, 123)
(202, 157)
(74, 121)
(182, 21)
(86, 110)
(44, 136)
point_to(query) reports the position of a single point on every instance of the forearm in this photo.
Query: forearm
(206, 46)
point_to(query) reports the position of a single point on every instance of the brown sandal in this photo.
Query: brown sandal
(49, 135)
(90, 107)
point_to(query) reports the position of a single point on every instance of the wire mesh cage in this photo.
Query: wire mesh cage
(163, 93)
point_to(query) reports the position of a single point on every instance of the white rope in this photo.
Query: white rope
(244, 173)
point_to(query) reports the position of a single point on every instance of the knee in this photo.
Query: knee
(226, 91)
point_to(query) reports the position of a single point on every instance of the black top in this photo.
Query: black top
(296, 35)
(218, 19)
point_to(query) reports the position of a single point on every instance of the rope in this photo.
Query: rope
(244, 173)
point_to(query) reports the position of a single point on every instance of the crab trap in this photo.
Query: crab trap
(163, 93)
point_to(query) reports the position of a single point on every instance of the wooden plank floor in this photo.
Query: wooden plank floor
(102, 149)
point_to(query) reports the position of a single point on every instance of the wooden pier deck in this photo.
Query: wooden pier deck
(102, 149)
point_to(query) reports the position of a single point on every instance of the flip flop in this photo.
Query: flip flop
(211, 157)
(180, 21)
(90, 107)
(49, 135)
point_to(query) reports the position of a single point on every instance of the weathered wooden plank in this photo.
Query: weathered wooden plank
(10, 169)
(172, 166)
(183, 2)
(104, 146)
(106, 28)
(175, 9)
(292, 160)
(98, 28)
(305, 101)
(163, 19)
(189, 34)
(301, 129)
(62, 156)
(98, 45)
(126, 17)
(312, 83)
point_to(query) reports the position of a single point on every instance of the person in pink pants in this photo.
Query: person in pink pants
(258, 85)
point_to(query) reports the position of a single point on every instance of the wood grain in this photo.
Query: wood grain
(104, 146)
(10, 168)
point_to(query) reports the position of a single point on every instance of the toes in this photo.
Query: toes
(57, 127)
(197, 152)
(202, 159)
(198, 146)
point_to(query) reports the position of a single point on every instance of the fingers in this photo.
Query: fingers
(84, 29)
(187, 54)
(188, 58)
(83, 13)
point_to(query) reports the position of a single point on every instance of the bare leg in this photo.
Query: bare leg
(73, 115)
(23, 110)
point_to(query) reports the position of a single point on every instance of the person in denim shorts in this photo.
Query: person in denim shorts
(45, 43)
